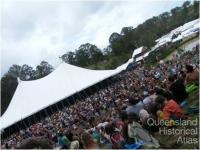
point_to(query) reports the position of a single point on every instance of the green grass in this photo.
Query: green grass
(169, 141)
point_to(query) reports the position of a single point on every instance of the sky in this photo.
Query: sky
(36, 30)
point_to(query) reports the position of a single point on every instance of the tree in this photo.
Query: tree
(26, 72)
(95, 54)
(115, 37)
(186, 4)
(107, 50)
(8, 87)
(126, 30)
(85, 55)
(175, 11)
(69, 57)
(14, 71)
(82, 58)
(43, 69)
(88, 54)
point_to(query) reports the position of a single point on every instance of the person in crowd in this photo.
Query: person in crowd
(182, 76)
(115, 136)
(192, 75)
(169, 108)
(104, 141)
(35, 143)
(135, 105)
(63, 141)
(88, 142)
(178, 90)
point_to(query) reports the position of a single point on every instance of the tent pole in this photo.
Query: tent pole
(24, 124)
(34, 117)
(91, 92)
(40, 115)
(18, 127)
(68, 102)
(73, 99)
(62, 104)
(57, 107)
(46, 112)
(86, 95)
(9, 132)
(29, 122)
(51, 110)
(79, 96)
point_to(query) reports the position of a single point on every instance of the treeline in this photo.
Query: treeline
(120, 48)
(121, 45)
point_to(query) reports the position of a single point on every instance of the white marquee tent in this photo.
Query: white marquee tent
(137, 51)
(33, 96)
(185, 30)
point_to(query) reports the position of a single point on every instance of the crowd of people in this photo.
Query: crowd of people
(117, 116)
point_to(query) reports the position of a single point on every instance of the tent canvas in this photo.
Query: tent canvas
(137, 51)
(33, 96)
(184, 30)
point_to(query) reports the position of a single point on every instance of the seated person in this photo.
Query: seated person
(178, 89)
(63, 141)
(35, 143)
(88, 142)
(115, 136)
(135, 105)
(169, 108)
(134, 133)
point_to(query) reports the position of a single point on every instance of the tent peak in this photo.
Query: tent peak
(19, 80)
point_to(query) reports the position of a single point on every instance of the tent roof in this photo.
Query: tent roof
(137, 51)
(33, 96)
(184, 30)
(146, 54)
(139, 58)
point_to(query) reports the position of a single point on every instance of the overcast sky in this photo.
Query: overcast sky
(32, 31)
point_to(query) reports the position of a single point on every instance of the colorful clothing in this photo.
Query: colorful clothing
(172, 109)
